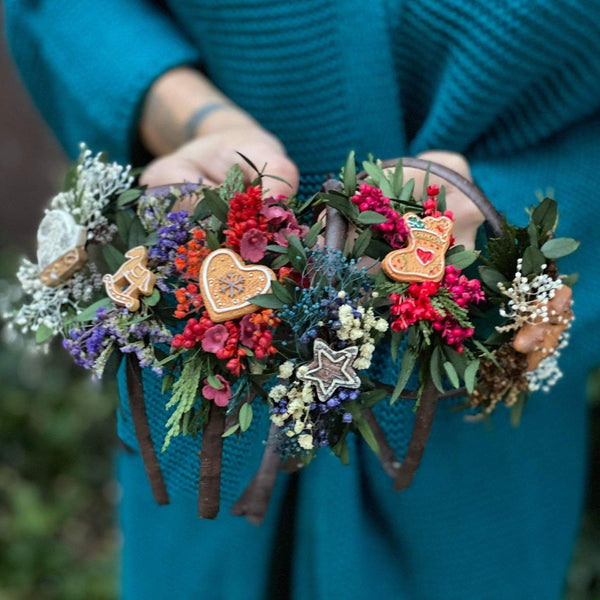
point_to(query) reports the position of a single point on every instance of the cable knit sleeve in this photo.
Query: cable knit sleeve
(89, 64)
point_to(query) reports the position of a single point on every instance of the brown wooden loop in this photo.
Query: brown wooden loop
(254, 501)
(472, 191)
(137, 406)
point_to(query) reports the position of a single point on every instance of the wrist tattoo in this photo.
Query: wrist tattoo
(199, 115)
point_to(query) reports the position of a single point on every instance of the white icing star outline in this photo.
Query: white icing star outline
(326, 359)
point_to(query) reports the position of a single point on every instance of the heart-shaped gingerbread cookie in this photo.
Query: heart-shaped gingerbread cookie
(227, 284)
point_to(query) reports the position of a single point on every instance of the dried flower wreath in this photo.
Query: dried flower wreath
(236, 299)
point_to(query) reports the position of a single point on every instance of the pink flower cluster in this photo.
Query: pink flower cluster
(416, 306)
(394, 229)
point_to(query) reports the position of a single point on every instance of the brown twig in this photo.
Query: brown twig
(209, 488)
(387, 456)
(420, 435)
(254, 501)
(137, 405)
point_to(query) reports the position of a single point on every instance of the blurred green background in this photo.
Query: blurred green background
(58, 534)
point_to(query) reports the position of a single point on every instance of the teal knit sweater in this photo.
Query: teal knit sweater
(515, 86)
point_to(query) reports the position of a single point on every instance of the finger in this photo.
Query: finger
(467, 217)
(170, 169)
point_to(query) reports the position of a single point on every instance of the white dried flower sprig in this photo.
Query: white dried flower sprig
(548, 371)
(528, 299)
(48, 306)
(96, 181)
(358, 330)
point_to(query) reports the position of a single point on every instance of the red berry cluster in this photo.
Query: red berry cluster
(394, 229)
(244, 215)
(416, 305)
(193, 332)
(464, 291)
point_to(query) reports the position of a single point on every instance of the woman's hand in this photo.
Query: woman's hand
(467, 217)
(196, 131)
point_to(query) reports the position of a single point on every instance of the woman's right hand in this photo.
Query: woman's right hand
(187, 150)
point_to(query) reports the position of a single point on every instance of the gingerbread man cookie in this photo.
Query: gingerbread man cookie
(423, 258)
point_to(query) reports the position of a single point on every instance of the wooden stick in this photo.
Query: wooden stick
(137, 406)
(387, 456)
(253, 503)
(209, 487)
(420, 435)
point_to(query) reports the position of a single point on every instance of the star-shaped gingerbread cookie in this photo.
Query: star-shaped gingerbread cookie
(331, 369)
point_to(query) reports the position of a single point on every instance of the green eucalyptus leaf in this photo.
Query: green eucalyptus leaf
(123, 220)
(43, 333)
(533, 260)
(153, 299)
(570, 280)
(452, 374)
(89, 313)
(559, 247)
(137, 234)
(217, 206)
(441, 200)
(471, 375)
(397, 179)
(350, 175)
(532, 230)
(245, 416)
(361, 242)
(545, 215)
(201, 211)
(491, 277)
(128, 196)
(397, 337)
(407, 191)
(409, 359)
(435, 369)
(313, 234)
(372, 397)
(167, 382)
(212, 239)
(462, 260)
(370, 217)
(281, 292)
(280, 261)
(114, 259)
(214, 382)
(367, 433)
(151, 239)
(277, 248)
(231, 430)
(267, 301)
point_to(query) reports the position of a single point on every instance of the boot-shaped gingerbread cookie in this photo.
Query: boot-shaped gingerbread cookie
(423, 258)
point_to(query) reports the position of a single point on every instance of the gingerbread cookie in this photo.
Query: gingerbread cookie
(331, 369)
(227, 285)
(61, 247)
(131, 280)
(539, 340)
(423, 258)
